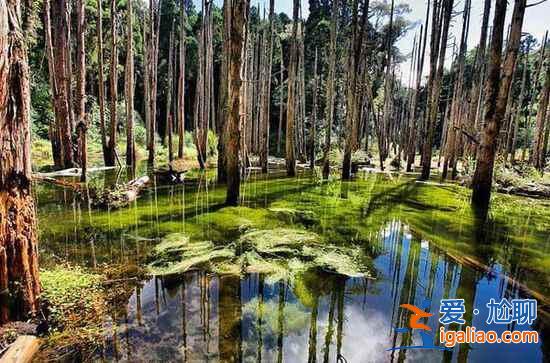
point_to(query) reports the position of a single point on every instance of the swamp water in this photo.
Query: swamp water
(423, 243)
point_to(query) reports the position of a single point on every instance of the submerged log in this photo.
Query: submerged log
(22, 350)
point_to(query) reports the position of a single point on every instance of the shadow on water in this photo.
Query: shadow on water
(415, 233)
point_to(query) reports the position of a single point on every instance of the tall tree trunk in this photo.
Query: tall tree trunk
(496, 96)
(60, 44)
(313, 131)
(419, 69)
(181, 83)
(19, 281)
(223, 92)
(170, 85)
(265, 114)
(153, 51)
(129, 83)
(478, 74)
(539, 152)
(55, 126)
(101, 81)
(82, 124)
(433, 101)
(281, 100)
(329, 108)
(113, 89)
(291, 98)
(232, 134)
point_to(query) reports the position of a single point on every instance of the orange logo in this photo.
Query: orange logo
(416, 316)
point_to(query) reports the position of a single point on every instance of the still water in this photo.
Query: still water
(425, 244)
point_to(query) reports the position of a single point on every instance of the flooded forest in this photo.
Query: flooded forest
(274, 181)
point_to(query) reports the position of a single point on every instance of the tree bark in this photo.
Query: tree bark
(329, 107)
(168, 128)
(113, 90)
(101, 81)
(265, 114)
(433, 101)
(129, 88)
(82, 124)
(496, 96)
(181, 84)
(232, 134)
(539, 152)
(19, 281)
(61, 98)
(420, 67)
(223, 92)
(291, 98)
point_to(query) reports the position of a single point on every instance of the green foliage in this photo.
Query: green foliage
(69, 292)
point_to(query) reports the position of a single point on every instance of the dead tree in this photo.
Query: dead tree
(101, 81)
(439, 47)
(111, 154)
(498, 84)
(411, 148)
(330, 102)
(82, 124)
(129, 88)
(291, 98)
(181, 83)
(266, 90)
(313, 131)
(169, 86)
(223, 92)
(19, 281)
(541, 131)
(232, 135)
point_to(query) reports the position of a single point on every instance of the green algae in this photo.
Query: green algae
(344, 214)
(280, 253)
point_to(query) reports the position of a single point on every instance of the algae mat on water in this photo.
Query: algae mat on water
(280, 253)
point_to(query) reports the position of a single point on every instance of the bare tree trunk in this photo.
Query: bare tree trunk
(313, 132)
(411, 152)
(539, 152)
(19, 281)
(223, 92)
(168, 128)
(455, 122)
(101, 81)
(477, 81)
(496, 96)
(281, 103)
(82, 124)
(265, 114)
(329, 110)
(291, 98)
(55, 126)
(60, 43)
(181, 83)
(232, 135)
(129, 83)
(433, 101)
(113, 89)
(154, 19)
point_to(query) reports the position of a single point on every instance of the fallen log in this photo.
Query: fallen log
(121, 196)
(528, 190)
(73, 172)
(22, 350)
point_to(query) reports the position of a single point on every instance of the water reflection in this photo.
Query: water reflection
(318, 317)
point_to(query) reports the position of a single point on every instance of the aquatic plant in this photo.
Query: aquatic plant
(280, 253)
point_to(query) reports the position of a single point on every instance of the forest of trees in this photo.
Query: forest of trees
(249, 84)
